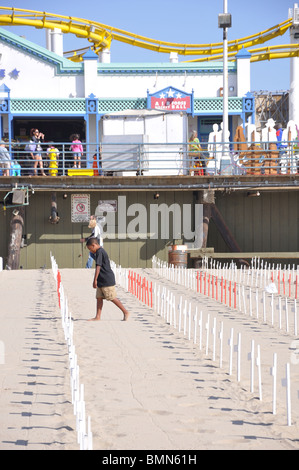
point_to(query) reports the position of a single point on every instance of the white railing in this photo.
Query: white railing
(84, 434)
(160, 158)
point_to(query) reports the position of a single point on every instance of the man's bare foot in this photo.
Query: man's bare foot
(126, 316)
(95, 319)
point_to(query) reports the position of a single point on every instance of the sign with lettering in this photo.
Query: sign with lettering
(106, 206)
(171, 99)
(80, 207)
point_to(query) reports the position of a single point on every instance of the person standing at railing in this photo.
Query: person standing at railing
(279, 134)
(53, 155)
(195, 161)
(77, 150)
(5, 160)
(36, 137)
(97, 165)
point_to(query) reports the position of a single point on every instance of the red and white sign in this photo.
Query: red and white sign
(171, 104)
(80, 207)
(170, 99)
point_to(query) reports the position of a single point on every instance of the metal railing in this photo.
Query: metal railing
(121, 159)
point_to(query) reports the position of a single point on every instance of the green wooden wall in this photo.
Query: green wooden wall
(266, 223)
(63, 239)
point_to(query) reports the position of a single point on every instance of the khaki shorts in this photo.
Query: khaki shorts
(5, 164)
(107, 293)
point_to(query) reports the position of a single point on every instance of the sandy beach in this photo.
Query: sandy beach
(147, 386)
(35, 409)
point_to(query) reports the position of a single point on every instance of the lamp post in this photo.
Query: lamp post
(225, 22)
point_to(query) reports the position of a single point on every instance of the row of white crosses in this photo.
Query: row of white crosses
(180, 317)
(259, 274)
(276, 279)
(83, 426)
(199, 330)
(233, 287)
(204, 331)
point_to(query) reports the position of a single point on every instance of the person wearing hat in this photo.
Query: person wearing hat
(4, 158)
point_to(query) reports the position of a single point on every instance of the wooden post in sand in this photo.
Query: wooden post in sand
(16, 232)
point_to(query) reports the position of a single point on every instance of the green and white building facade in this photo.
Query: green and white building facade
(40, 88)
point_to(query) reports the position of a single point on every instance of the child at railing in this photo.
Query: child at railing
(53, 154)
(97, 165)
(15, 169)
(77, 150)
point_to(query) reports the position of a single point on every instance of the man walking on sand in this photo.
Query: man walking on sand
(104, 279)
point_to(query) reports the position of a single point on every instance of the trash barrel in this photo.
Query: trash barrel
(178, 256)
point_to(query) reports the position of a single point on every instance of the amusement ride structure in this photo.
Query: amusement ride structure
(62, 97)
(101, 35)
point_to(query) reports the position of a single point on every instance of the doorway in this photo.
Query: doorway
(56, 129)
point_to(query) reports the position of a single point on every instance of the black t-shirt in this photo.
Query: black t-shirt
(106, 277)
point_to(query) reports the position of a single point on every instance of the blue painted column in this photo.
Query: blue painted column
(5, 109)
(92, 107)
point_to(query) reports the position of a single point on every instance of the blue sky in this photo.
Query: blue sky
(188, 21)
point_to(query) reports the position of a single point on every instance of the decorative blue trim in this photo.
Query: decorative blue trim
(54, 114)
(92, 105)
(90, 55)
(48, 106)
(4, 106)
(248, 106)
(4, 88)
(243, 54)
(165, 68)
(248, 102)
(99, 106)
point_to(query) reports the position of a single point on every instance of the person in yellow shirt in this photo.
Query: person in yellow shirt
(53, 155)
(195, 154)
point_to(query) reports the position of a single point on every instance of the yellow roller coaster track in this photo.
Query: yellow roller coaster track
(101, 35)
